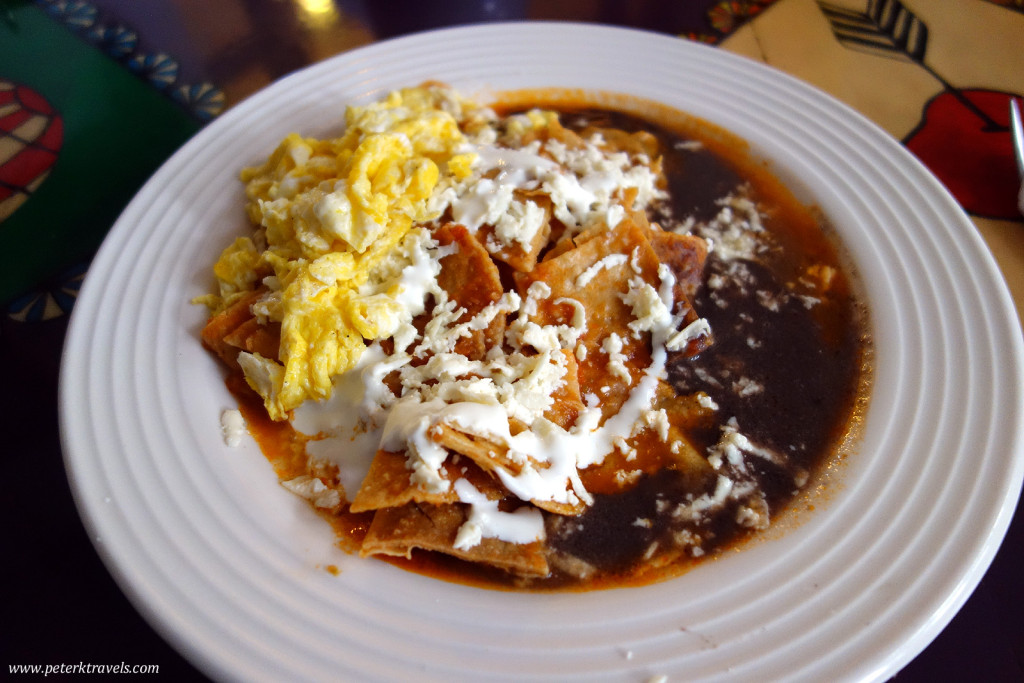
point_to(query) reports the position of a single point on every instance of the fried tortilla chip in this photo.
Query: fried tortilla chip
(388, 483)
(597, 273)
(685, 256)
(255, 337)
(471, 278)
(569, 241)
(662, 444)
(567, 399)
(638, 143)
(398, 531)
(491, 457)
(218, 328)
(648, 452)
(522, 257)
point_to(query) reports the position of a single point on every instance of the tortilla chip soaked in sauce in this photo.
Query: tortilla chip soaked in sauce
(389, 484)
(471, 279)
(399, 531)
(598, 273)
(492, 457)
(522, 257)
(221, 332)
(685, 256)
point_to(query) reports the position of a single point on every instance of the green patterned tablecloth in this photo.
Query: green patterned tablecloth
(79, 134)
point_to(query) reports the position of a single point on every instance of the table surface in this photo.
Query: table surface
(131, 81)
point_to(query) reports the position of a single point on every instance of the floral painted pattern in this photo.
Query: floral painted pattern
(203, 100)
(52, 299)
(724, 17)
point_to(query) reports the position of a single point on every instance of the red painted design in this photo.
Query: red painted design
(31, 135)
(964, 139)
(11, 122)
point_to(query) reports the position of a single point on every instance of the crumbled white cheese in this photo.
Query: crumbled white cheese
(612, 345)
(809, 302)
(232, 427)
(769, 301)
(624, 478)
(623, 447)
(658, 421)
(706, 401)
(648, 307)
(746, 387)
(313, 490)
(736, 231)
(695, 330)
(749, 517)
(734, 485)
(689, 145)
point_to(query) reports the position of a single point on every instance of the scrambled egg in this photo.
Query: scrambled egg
(330, 211)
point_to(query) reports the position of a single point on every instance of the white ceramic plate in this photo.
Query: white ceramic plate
(230, 568)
